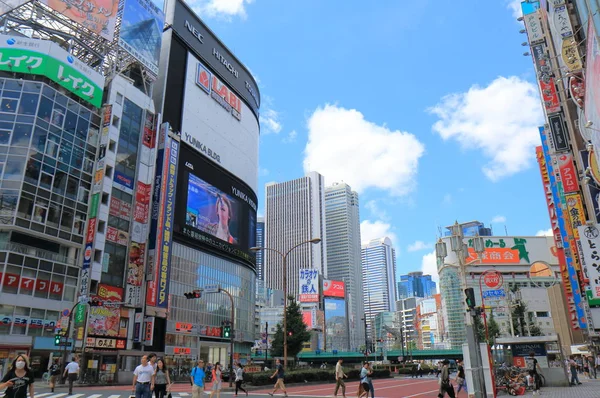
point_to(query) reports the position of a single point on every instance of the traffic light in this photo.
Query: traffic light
(96, 302)
(57, 340)
(470, 293)
(193, 295)
(227, 331)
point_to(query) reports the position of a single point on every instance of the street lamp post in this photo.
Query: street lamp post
(461, 250)
(285, 289)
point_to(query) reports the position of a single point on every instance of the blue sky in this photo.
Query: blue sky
(427, 108)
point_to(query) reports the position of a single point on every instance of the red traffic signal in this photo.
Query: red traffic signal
(290, 333)
(196, 294)
(95, 302)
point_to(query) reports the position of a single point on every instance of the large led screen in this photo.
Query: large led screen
(214, 208)
(336, 320)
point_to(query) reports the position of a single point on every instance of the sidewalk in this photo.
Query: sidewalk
(588, 389)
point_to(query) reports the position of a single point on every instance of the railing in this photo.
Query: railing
(35, 252)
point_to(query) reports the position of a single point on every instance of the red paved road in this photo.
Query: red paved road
(386, 388)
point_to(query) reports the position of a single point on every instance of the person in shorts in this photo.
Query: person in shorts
(54, 371)
(197, 379)
(279, 385)
(363, 387)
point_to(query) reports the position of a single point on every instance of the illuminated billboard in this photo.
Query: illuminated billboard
(214, 208)
(309, 285)
(336, 323)
(99, 16)
(334, 289)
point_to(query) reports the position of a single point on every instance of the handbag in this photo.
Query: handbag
(169, 395)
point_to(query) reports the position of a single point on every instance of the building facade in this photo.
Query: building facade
(342, 222)
(415, 284)
(204, 219)
(379, 279)
(295, 213)
(260, 242)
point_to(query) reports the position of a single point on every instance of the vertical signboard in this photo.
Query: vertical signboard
(590, 255)
(533, 27)
(568, 174)
(593, 188)
(558, 132)
(581, 318)
(161, 229)
(309, 285)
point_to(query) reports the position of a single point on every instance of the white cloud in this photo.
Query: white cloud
(515, 7)
(270, 121)
(547, 232)
(343, 146)
(418, 246)
(499, 220)
(370, 230)
(262, 172)
(291, 137)
(447, 200)
(221, 8)
(500, 120)
(429, 266)
(377, 211)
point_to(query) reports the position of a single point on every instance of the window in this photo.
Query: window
(14, 168)
(28, 104)
(115, 121)
(25, 208)
(66, 222)
(119, 99)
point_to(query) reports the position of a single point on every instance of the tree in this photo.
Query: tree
(296, 329)
(522, 326)
(492, 326)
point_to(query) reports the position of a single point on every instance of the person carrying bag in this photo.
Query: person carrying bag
(197, 379)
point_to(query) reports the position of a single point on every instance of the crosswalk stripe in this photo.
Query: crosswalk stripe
(114, 396)
(42, 395)
(76, 395)
(184, 394)
(57, 395)
(94, 396)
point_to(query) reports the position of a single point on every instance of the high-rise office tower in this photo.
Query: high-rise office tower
(415, 284)
(343, 252)
(260, 242)
(294, 213)
(379, 278)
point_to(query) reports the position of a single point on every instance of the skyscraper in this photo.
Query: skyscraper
(379, 278)
(294, 213)
(415, 284)
(260, 242)
(343, 252)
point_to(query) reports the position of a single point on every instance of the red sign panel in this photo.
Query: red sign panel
(334, 289)
(182, 351)
(40, 285)
(568, 174)
(142, 202)
(493, 280)
(91, 230)
(549, 96)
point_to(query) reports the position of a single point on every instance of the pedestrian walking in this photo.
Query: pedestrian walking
(461, 383)
(573, 367)
(162, 380)
(363, 387)
(370, 380)
(446, 386)
(142, 379)
(592, 365)
(280, 374)
(534, 366)
(216, 376)
(72, 373)
(54, 371)
(152, 358)
(239, 379)
(339, 378)
(18, 379)
(197, 379)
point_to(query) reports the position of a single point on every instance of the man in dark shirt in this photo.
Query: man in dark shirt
(279, 385)
(460, 377)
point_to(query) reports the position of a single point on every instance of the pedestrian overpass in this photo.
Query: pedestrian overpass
(357, 356)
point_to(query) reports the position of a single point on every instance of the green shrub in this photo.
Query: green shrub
(309, 375)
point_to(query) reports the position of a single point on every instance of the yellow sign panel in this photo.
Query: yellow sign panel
(570, 54)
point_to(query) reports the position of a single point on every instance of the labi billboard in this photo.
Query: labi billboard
(45, 58)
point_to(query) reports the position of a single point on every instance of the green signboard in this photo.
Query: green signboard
(79, 314)
(93, 209)
(46, 58)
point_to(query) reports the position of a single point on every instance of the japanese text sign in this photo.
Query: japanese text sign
(309, 285)
(590, 253)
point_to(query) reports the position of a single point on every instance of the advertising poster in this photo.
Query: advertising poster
(99, 16)
(575, 212)
(575, 290)
(307, 318)
(309, 285)
(334, 289)
(105, 321)
(336, 323)
(141, 32)
(568, 174)
(590, 248)
(46, 58)
(135, 269)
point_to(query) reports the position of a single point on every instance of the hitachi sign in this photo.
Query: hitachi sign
(194, 31)
(224, 61)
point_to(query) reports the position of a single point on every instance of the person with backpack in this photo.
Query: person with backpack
(197, 379)
(54, 374)
(239, 379)
(446, 386)
(363, 387)
(461, 383)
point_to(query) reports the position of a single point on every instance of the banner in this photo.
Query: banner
(99, 16)
(103, 320)
(579, 320)
(309, 285)
(46, 58)
(590, 247)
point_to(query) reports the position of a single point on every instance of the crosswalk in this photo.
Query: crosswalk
(107, 395)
